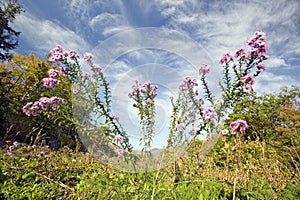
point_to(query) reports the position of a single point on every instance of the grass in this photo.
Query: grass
(41, 173)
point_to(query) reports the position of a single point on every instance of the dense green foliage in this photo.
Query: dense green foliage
(21, 82)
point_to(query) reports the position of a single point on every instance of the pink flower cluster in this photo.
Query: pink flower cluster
(247, 82)
(259, 46)
(148, 91)
(188, 83)
(50, 83)
(11, 148)
(241, 54)
(87, 57)
(203, 70)
(239, 126)
(58, 54)
(44, 103)
(226, 58)
(209, 114)
(120, 138)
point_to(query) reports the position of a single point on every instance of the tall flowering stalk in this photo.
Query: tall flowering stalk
(239, 73)
(144, 98)
(92, 97)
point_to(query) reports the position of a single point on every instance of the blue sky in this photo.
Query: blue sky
(216, 26)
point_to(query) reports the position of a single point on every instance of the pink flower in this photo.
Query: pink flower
(188, 82)
(239, 126)
(57, 54)
(224, 132)
(180, 126)
(261, 68)
(240, 53)
(87, 57)
(85, 75)
(73, 55)
(74, 91)
(149, 101)
(97, 69)
(226, 58)
(209, 114)
(53, 73)
(248, 79)
(15, 144)
(114, 116)
(203, 70)
(120, 138)
(50, 82)
(120, 152)
(247, 88)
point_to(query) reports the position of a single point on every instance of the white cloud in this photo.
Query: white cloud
(275, 62)
(44, 35)
(270, 83)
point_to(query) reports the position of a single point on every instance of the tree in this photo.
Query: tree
(20, 83)
(8, 36)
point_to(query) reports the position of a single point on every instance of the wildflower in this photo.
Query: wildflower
(50, 82)
(73, 55)
(120, 152)
(248, 79)
(120, 138)
(261, 68)
(240, 53)
(239, 126)
(74, 91)
(149, 101)
(180, 126)
(188, 82)
(53, 73)
(224, 132)
(97, 69)
(226, 58)
(85, 75)
(247, 88)
(203, 70)
(114, 116)
(87, 57)
(209, 114)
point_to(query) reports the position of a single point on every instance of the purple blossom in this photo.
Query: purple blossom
(50, 83)
(247, 88)
(259, 46)
(120, 152)
(188, 83)
(224, 132)
(44, 103)
(53, 73)
(248, 79)
(73, 55)
(240, 53)
(226, 58)
(239, 126)
(180, 126)
(120, 138)
(203, 70)
(97, 69)
(56, 54)
(209, 114)
(87, 57)
(115, 116)
(261, 68)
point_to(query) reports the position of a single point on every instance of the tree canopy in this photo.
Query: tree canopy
(8, 36)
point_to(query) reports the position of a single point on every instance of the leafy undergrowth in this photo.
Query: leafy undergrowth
(41, 173)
